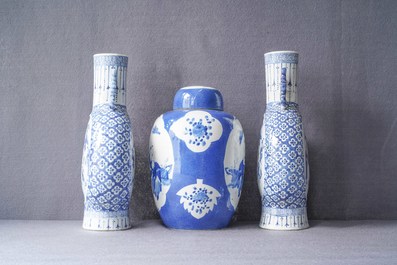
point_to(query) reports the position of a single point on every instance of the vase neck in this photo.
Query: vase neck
(110, 79)
(281, 77)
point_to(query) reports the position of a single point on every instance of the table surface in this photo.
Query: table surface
(149, 242)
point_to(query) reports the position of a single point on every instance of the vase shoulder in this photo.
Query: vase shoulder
(105, 109)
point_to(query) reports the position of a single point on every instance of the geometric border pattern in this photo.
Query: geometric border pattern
(110, 160)
(285, 182)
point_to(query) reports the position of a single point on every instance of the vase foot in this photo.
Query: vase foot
(284, 219)
(98, 221)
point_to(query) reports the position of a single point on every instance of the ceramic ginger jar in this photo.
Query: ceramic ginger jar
(197, 161)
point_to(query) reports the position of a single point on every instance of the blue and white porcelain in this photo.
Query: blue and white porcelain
(283, 169)
(107, 170)
(197, 161)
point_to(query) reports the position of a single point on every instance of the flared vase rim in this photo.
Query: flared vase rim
(109, 54)
(197, 87)
(275, 52)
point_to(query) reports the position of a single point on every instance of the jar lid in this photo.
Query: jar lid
(198, 97)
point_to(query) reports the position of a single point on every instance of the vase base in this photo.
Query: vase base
(295, 220)
(103, 222)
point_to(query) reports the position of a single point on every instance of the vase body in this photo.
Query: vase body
(197, 161)
(283, 171)
(108, 154)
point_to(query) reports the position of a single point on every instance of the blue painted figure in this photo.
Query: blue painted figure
(283, 171)
(237, 177)
(197, 161)
(159, 177)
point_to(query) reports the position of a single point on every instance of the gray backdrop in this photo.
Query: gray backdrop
(347, 93)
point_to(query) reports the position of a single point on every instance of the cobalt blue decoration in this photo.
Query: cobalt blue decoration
(107, 170)
(197, 161)
(283, 169)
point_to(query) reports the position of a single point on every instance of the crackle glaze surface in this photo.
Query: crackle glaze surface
(197, 162)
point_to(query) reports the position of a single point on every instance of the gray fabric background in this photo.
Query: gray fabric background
(347, 93)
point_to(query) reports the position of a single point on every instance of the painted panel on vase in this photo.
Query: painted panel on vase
(261, 162)
(198, 199)
(161, 162)
(198, 129)
(108, 163)
(234, 162)
(285, 185)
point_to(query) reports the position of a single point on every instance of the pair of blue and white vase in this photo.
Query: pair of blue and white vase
(197, 154)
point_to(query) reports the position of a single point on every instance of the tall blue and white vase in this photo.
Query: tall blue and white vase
(283, 169)
(197, 161)
(107, 170)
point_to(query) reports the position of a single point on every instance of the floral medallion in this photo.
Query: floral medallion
(198, 199)
(198, 129)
